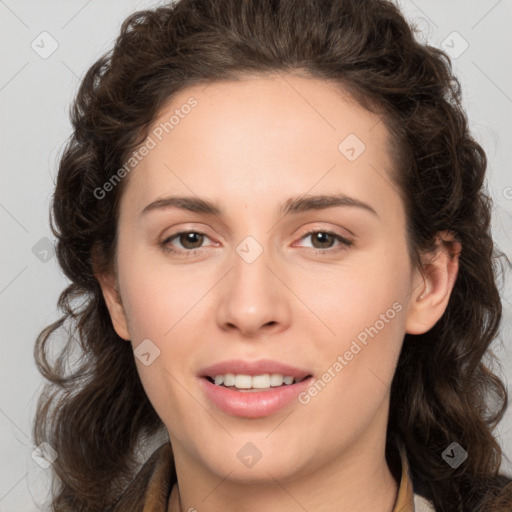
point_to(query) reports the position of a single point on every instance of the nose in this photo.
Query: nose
(253, 298)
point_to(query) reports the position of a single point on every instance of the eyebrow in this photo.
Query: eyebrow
(293, 205)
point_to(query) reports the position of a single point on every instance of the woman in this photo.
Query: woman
(273, 215)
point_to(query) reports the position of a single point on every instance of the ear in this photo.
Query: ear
(436, 280)
(109, 286)
(115, 307)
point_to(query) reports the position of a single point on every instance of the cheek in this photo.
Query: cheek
(369, 292)
(163, 304)
(365, 310)
(159, 308)
(157, 296)
(359, 362)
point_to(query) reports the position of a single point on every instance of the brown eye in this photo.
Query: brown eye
(324, 241)
(189, 242)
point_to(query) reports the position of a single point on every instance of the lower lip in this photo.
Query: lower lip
(253, 404)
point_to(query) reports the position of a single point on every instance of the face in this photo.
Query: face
(324, 286)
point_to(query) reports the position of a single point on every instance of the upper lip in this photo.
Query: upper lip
(252, 368)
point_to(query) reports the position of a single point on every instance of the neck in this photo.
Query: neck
(383, 500)
(358, 479)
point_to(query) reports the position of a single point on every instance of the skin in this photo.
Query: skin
(249, 146)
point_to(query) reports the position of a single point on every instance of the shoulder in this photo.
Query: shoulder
(422, 504)
(152, 484)
(491, 495)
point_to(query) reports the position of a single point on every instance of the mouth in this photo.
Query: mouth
(253, 389)
(254, 383)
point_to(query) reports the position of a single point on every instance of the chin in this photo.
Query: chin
(248, 464)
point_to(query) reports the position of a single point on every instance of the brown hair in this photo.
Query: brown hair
(94, 411)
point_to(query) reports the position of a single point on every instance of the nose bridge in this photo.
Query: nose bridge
(251, 265)
(252, 296)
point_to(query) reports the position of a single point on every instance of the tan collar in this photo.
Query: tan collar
(405, 497)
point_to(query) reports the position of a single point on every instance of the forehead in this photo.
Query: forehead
(271, 108)
(262, 134)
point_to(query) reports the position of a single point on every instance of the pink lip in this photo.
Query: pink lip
(260, 367)
(253, 404)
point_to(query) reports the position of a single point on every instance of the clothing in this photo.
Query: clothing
(152, 486)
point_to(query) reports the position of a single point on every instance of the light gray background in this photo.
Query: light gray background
(35, 94)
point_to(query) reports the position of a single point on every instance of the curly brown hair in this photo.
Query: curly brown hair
(94, 410)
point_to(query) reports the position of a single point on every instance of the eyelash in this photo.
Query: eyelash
(344, 243)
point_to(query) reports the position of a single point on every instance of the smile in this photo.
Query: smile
(253, 389)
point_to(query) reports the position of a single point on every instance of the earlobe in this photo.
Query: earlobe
(115, 306)
(430, 298)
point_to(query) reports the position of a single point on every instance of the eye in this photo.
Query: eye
(190, 241)
(322, 241)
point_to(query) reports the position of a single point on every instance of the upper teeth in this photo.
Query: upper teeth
(257, 381)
